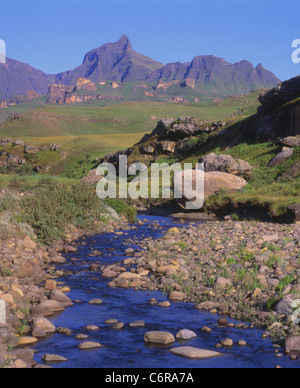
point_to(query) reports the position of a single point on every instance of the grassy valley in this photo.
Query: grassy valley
(87, 132)
(93, 119)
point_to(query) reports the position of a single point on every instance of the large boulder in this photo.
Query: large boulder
(168, 147)
(159, 337)
(24, 271)
(92, 178)
(285, 306)
(147, 149)
(213, 182)
(226, 163)
(292, 345)
(48, 308)
(60, 297)
(42, 323)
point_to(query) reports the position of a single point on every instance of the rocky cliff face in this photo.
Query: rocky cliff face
(64, 94)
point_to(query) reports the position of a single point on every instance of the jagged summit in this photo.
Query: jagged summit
(125, 42)
(112, 61)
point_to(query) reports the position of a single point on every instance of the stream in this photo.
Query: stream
(125, 348)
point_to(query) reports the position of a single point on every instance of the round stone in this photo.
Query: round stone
(159, 337)
(90, 345)
(185, 334)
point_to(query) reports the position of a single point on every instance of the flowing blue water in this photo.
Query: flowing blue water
(126, 348)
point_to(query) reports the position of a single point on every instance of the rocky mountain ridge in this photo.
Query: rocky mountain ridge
(118, 62)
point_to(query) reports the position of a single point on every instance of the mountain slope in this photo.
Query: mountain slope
(18, 78)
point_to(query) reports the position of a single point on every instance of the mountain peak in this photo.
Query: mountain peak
(260, 67)
(124, 42)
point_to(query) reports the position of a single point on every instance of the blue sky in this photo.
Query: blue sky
(54, 35)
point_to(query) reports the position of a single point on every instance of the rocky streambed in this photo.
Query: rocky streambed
(31, 292)
(165, 294)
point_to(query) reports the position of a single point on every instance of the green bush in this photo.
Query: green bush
(54, 207)
(51, 209)
(122, 208)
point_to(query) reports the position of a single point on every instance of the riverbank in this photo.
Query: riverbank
(247, 271)
(32, 291)
(37, 228)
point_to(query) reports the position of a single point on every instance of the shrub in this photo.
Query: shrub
(50, 210)
(122, 208)
(54, 207)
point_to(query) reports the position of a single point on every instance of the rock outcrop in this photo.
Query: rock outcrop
(181, 128)
(64, 94)
(283, 93)
(85, 84)
(57, 93)
(16, 152)
(226, 163)
(169, 137)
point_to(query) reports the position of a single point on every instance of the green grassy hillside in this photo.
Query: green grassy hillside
(93, 119)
